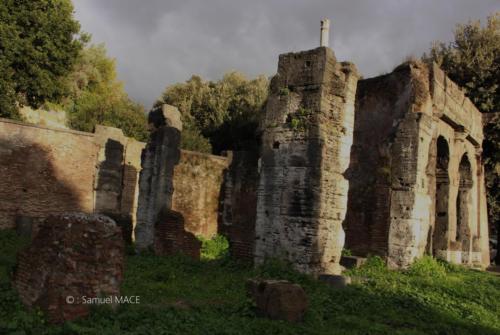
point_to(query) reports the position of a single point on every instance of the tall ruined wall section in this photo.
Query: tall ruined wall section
(395, 194)
(307, 135)
(238, 215)
(159, 158)
(380, 104)
(44, 171)
(460, 123)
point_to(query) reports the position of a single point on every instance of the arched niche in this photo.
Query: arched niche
(441, 223)
(463, 231)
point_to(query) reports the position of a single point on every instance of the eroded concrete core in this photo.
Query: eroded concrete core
(307, 135)
(74, 256)
(159, 158)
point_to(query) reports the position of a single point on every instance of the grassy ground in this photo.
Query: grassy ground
(181, 296)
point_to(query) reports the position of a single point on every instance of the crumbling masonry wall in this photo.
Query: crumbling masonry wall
(399, 206)
(307, 135)
(44, 171)
(161, 154)
(239, 205)
(54, 170)
(48, 170)
(73, 256)
(197, 183)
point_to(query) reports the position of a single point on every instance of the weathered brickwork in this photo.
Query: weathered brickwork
(44, 171)
(197, 186)
(416, 183)
(171, 238)
(237, 220)
(74, 256)
(307, 134)
(48, 171)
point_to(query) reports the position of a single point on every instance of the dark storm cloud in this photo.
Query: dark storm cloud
(160, 42)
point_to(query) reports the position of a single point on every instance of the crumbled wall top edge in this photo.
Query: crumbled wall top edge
(93, 135)
(62, 130)
(436, 75)
(204, 155)
(307, 52)
(469, 116)
(439, 77)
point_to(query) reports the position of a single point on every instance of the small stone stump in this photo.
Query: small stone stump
(24, 226)
(335, 281)
(278, 299)
(74, 256)
(352, 262)
(171, 238)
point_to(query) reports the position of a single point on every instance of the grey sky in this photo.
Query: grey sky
(160, 42)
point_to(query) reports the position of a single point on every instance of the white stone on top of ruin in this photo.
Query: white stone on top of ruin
(172, 116)
(325, 31)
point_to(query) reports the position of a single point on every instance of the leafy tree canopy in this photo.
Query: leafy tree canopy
(96, 96)
(221, 114)
(39, 45)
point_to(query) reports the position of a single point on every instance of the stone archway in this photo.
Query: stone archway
(441, 223)
(463, 231)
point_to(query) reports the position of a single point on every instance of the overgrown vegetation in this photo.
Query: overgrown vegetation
(46, 62)
(220, 115)
(96, 96)
(182, 296)
(300, 120)
(215, 248)
(39, 45)
(472, 60)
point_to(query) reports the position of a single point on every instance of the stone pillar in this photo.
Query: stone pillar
(307, 135)
(325, 33)
(159, 158)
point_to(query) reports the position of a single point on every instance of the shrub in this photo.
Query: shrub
(215, 248)
(427, 266)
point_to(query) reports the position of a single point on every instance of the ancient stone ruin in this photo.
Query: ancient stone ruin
(171, 238)
(278, 299)
(159, 157)
(306, 141)
(416, 181)
(74, 256)
(389, 166)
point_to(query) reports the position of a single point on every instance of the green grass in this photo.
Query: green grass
(182, 296)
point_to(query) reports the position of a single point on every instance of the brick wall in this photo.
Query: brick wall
(44, 171)
(239, 205)
(197, 191)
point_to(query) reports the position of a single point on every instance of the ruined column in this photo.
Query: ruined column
(325, 33)
(307, 135)
(159, 158)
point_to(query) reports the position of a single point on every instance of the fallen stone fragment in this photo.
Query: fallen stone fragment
(278, 299)
(351, 262)
(336, 281)
(72, 258)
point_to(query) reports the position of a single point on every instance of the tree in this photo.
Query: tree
(39, 45)
(97, 97)
(225, 112)
(472, 60)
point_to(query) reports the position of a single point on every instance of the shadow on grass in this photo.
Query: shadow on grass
(181, 296)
